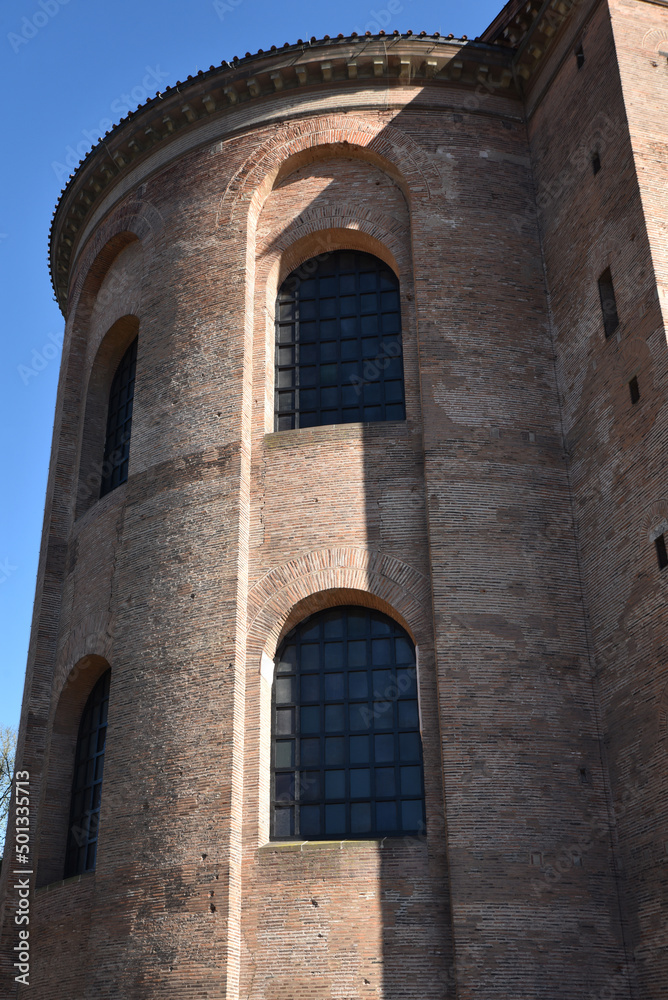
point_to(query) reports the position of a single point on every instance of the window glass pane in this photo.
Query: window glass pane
(383, 748)
(310, 631)
(309, 821)
(383, 715)
(333, 655)
(408, 714)
(357, 653)
(309, 720)
(382, 682)
(385, 783)
(360, 817)
(335, 784)
(412, 816)
(284, 754)
(334, 718)
(335, 750)
(359, 750)
(358, 686)
(283, 821)
(333, 626)
(411, 780)
(335, 819)
(285, 786)
(285, 724)
(386, 815)
(409, 746)
(380, 625)
(360, 783)
(310, 752)
(360, 717)
(287, 660)
(310, 687)
(334, 687)
(284, 690)
(310, 786)
(310, 657)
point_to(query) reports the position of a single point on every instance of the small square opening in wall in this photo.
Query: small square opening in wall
(577, 861)
(596, 161)
(536, 859)
(634, 389)
(583, 775)
(661, 553)
(580, 56)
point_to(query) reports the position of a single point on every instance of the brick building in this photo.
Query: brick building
(360, 413)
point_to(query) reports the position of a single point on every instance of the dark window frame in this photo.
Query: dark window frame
(580, 56)
(81, 852)
(661, 551)
(338, 343)
(346, 747)
(119, 422)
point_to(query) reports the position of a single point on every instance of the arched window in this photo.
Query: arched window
(346, 747)
(119, 423)
(338, 343)
(87, 785)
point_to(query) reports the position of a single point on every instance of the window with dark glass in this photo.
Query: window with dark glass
(346, 747)
(119, 423)
(87, 785)
(338, 343)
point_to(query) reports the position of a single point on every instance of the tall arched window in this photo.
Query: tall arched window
(119, 423)
(87, 785)
(338, 343)
(346, 747)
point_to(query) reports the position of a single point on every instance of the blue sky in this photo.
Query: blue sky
(66, 66)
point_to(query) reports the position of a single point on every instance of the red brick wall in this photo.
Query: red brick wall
(470, 522)
(617, 450)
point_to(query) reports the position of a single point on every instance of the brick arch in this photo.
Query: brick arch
(116, 341)
(319, 230)
(89, 637)
(330, 577)
(136, 220)
(66, 713)
(384, 145)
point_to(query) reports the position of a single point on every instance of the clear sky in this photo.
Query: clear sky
(66, 65)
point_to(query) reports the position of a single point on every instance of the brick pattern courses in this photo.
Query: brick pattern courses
(589, 222)
(506, 523)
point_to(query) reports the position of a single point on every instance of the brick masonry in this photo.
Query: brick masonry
(508, 523)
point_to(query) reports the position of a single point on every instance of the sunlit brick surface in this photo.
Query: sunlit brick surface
(507, 524)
